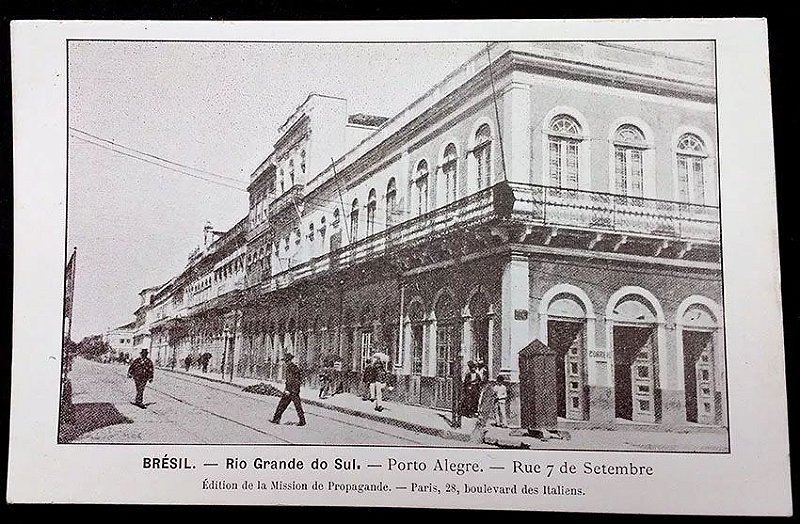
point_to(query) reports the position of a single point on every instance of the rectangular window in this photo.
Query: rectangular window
(571, 178)
(390, 208)
(637, 176)
(683, 178)
(483, 158)
(366, 348)
(416, 349)
(555, 164)
(699, 196)
(644, 371)
(621, 171)
(444, 349)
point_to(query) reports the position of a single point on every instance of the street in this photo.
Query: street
(187, 410)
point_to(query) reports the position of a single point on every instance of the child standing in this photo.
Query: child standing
(500, 396)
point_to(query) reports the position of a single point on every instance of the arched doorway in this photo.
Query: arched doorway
(415, 340)
(566, 333)
(447, 344)
(697, 330)
(634, 323)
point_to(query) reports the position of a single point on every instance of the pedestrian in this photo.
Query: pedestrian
(337, 376)
(291, 393)
(368, 377)
(141, 371)
(324, 382)
(378, 383)
(472, 391)
(187, 362)
(480, 367)
(500, 397)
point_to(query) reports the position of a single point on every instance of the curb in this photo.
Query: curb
(419, 428)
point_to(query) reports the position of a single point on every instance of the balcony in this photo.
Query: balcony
(610, 213)
(287, 199)
(536, 214)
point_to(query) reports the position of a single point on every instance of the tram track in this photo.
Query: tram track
(255, 399)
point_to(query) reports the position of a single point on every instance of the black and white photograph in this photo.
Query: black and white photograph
(478, 264)
(511, 244)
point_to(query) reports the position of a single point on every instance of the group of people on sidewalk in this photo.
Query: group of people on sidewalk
(203, 360)
(473, 389)
(373, 378)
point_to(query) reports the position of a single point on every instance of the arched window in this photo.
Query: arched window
(372, 204)
(283, 182)
(422, 187)
(691, 156)
(303, 161)
(336, 214)
(354, 221)
(564, 138)
(291, 172)
(450, 171)
(391, 201)
(483, 156)
(629, 146)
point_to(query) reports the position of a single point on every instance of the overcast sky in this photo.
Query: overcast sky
(213, 106)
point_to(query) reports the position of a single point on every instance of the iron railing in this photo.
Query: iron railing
(531, 204)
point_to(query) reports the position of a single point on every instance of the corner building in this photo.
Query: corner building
(566, 192)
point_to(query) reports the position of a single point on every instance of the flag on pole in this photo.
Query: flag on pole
(69, 293)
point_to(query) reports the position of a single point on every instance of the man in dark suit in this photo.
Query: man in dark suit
(141, 371)
(293, 377)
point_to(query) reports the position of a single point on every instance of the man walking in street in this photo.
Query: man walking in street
(292, 393)
(141, 371)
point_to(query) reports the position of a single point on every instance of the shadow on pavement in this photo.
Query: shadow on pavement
(88, 417)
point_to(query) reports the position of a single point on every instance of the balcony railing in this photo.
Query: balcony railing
(526, 204)
(288, 198)
(615, 213)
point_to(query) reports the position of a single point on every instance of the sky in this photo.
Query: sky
(212, 106)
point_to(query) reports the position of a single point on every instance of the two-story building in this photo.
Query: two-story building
(199, 311)
(560, 191)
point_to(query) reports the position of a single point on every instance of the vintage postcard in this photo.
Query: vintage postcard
(525, 265)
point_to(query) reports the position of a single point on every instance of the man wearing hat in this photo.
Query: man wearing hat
(141, 371)
(293, 377)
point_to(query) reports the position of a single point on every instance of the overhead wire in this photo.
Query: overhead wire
(156, 157)
(161, 165)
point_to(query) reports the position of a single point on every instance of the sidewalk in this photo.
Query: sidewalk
(414, 418)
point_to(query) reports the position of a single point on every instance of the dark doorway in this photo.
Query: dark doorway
(480, 339)
(698, 374)
(634, 373)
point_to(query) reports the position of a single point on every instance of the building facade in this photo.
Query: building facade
(120, 341)
(561, 191)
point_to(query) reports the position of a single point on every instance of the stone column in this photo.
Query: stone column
(600, 373)
(466, 341)
(670, 377)
(515, 326)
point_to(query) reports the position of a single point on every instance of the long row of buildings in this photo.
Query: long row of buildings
(561, 191)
